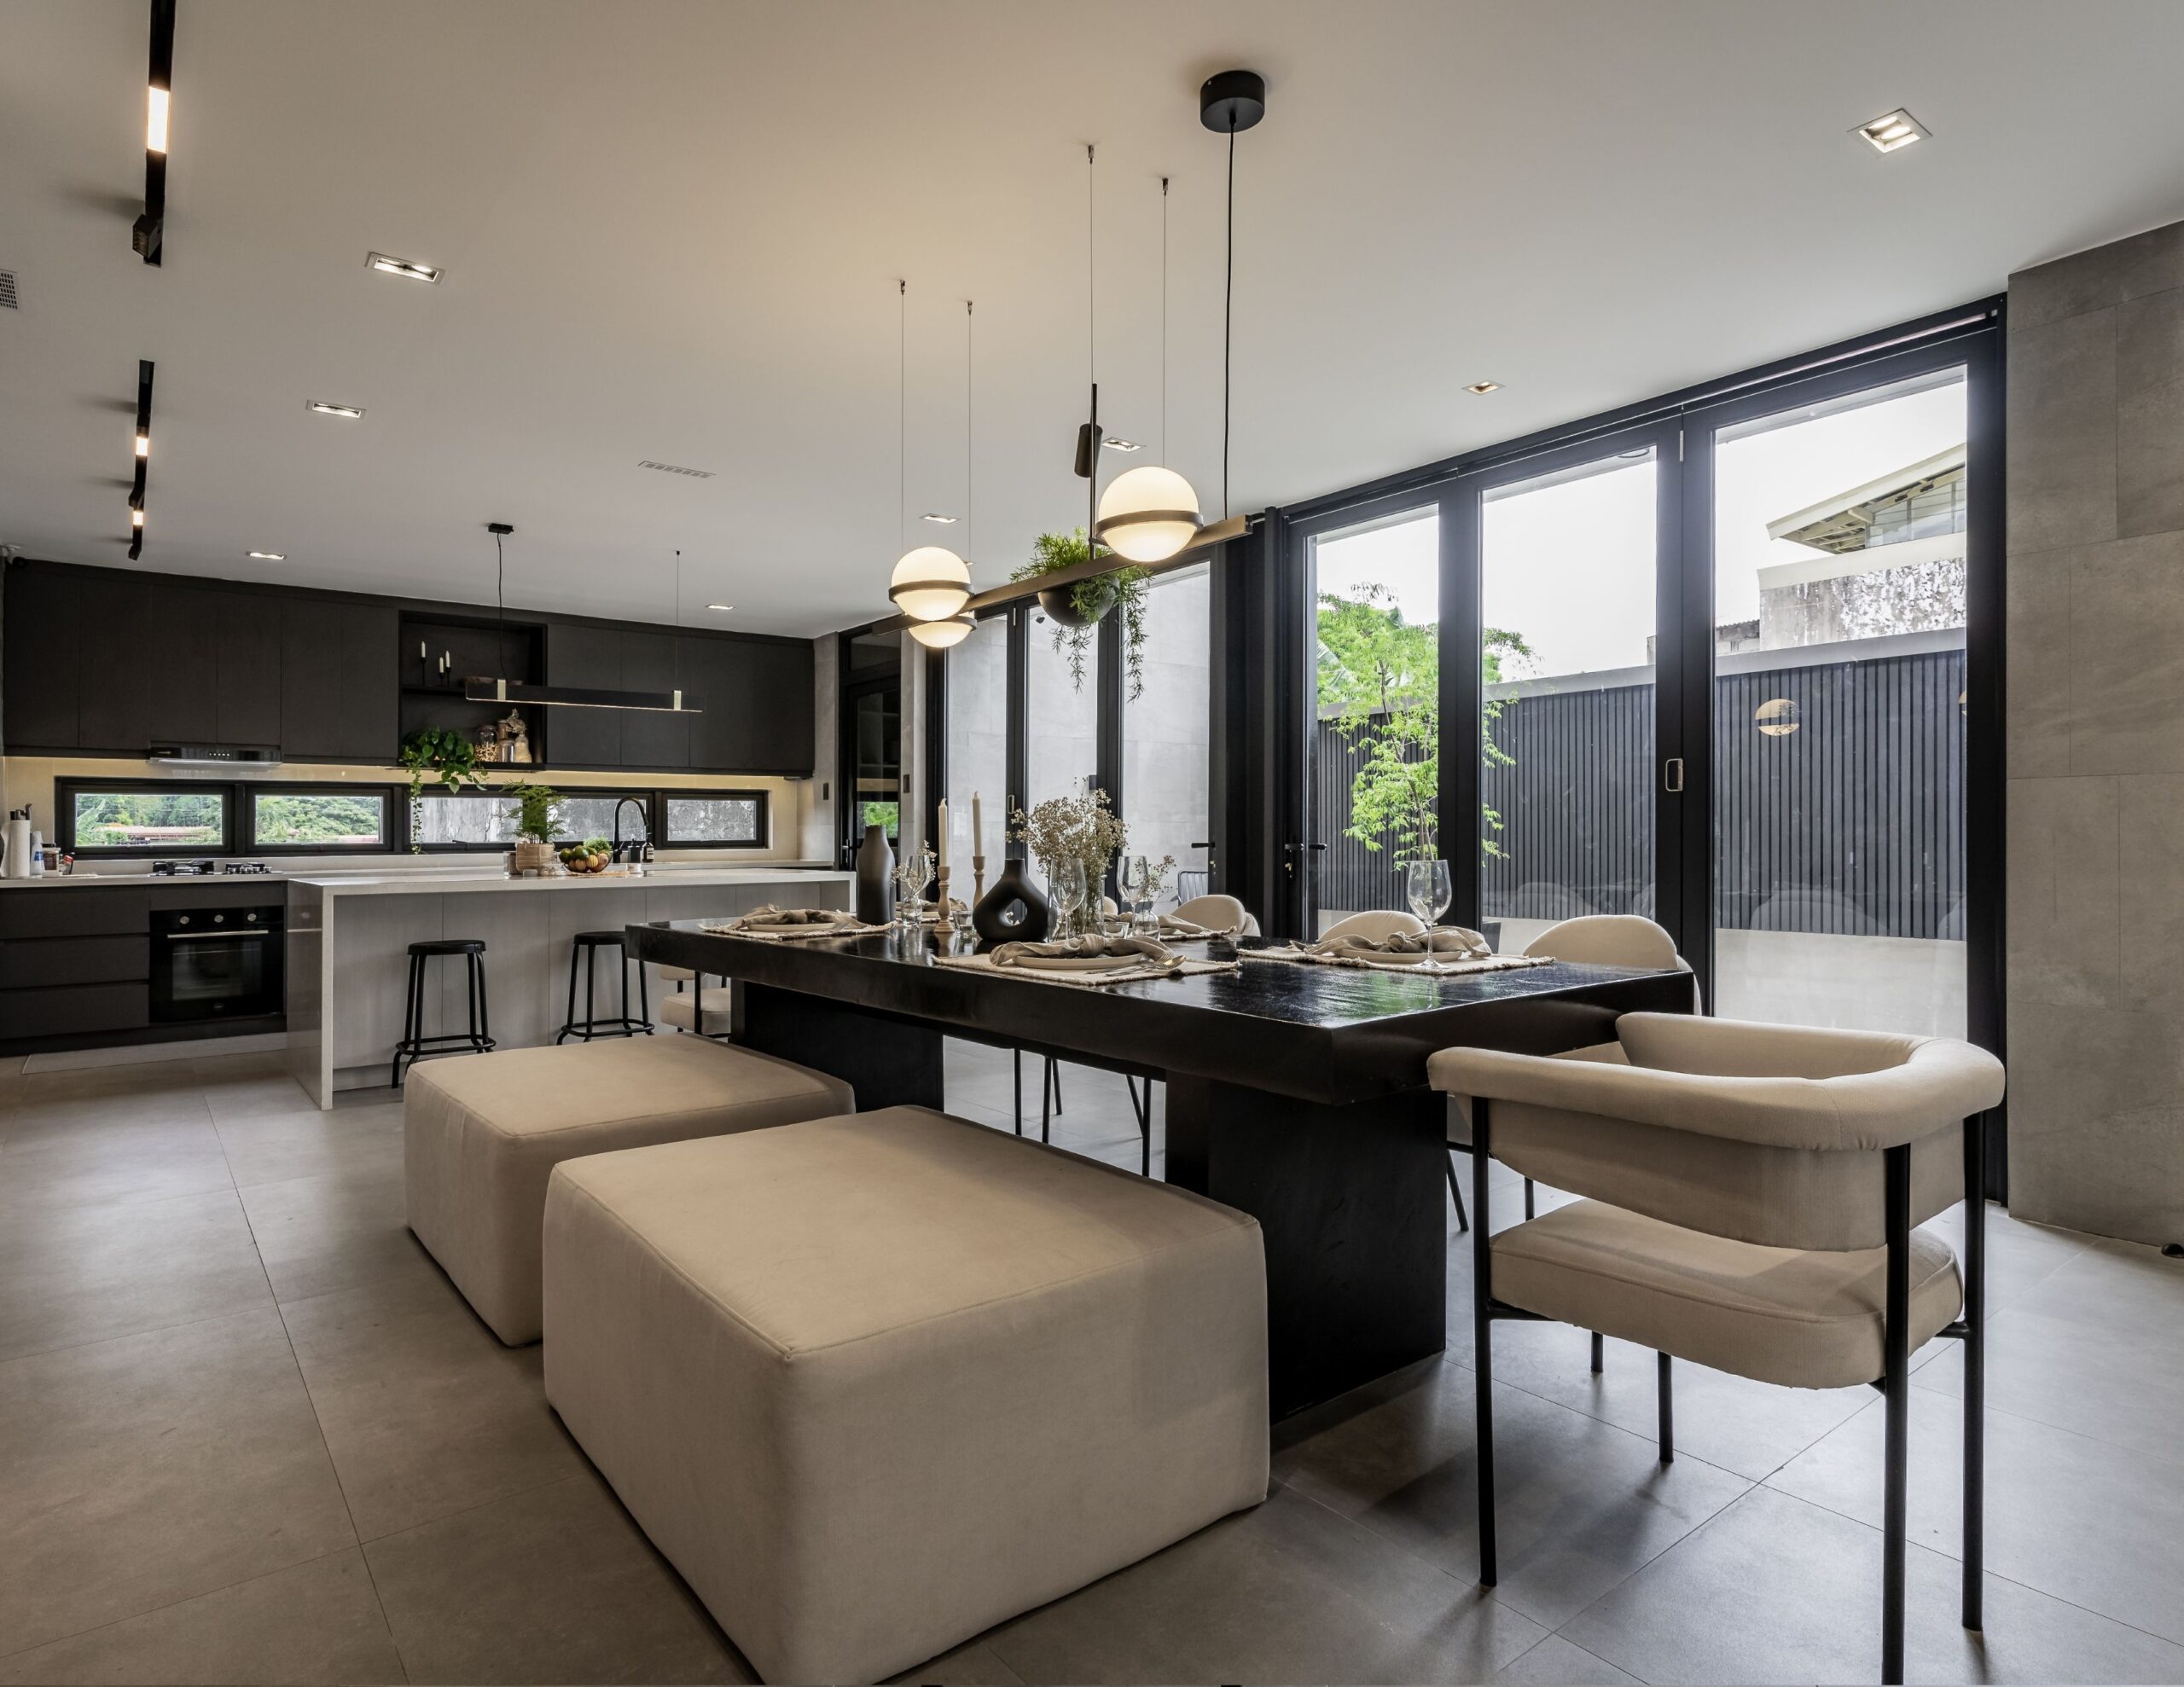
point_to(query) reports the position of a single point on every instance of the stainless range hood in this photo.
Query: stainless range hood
(212, 756)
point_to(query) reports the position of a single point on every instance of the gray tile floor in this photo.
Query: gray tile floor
(249, 1432)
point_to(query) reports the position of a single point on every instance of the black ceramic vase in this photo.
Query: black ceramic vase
(875, 878)
(1012, 910)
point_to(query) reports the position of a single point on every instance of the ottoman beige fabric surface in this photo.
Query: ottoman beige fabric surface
(876, 1384)
(483, 1132)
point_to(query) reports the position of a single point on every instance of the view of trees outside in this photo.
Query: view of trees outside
(490, 818)
(319, 817)
(139, 820)
(713, 820)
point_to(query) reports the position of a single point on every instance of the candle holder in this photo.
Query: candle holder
(979, 879)
(940, 877)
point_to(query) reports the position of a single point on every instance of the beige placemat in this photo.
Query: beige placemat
(728, 928)
(1093, 981)
(1423, 968)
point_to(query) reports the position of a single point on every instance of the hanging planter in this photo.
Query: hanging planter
(1077, 610)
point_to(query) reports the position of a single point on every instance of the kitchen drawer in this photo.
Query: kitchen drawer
(54, 911)
(35, 962)
(73, 1011)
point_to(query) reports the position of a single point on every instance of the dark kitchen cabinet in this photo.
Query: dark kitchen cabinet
(247, 702)
(339, 682)
(650, 738)
(182, 663)
(114, 617)
(370, 682)
(44, 661)
(757, 706)
(591, 657)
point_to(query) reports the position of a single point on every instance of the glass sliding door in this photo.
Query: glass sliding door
(978, 748)
(1569, 572)
(1374, 736)
(1062, 715)
(1840, 533)
(1166, 717)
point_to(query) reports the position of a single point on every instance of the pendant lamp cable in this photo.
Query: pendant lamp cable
(1164, 319)
(1227, 314)
(1091, 273)
(500, 597)
(902, 411)
(968, 550)
(678, 588)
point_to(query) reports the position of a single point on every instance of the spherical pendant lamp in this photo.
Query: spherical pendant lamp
(931, 583)
(944, 634)
(1146, 514)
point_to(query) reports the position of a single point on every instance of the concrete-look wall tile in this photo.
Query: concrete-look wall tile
(2087, 1086)
(2121, 1175)
(2150, 341)
(2064, 896)
(2061, 433)
(2150, 460)
(2070, 287)
(2150, 871)
(2036, 737)
(2154, 263)
(2127, 656)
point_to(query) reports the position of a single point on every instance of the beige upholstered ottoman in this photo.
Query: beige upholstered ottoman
(482, 1133)
(876, 1384)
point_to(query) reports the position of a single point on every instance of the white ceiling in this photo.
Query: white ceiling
(673, 231)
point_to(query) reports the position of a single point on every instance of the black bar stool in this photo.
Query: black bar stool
(415, 1044)
(585, 952)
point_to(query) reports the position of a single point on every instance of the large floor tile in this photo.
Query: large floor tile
(319, 1622)
(321, 1235)
(1774, 1590)
(1556, 1662)
(425, 1412)
(2100, 1525)
(277, 1144)
(245, 1086)
(86, 1153)
(1579, 1502)
(147, 1471)
(73, 1274)
(1287, 1592)
(556, 1585)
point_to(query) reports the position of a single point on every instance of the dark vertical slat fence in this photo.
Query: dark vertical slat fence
(1852, 824)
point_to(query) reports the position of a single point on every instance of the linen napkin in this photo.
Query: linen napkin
(1436, 942)
(770, 918)
(1088, 954)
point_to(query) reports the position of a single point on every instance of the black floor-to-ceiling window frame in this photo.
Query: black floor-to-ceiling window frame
(1267, 776)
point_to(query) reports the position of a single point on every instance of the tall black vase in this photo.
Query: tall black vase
(875, 878)
(1012, 910)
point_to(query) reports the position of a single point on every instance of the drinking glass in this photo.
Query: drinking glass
(1066, 878)
(1427, 885)
(909, 880)
(1134, 878)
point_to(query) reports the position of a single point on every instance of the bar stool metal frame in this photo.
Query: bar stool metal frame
(415, 1045)
(584, 951)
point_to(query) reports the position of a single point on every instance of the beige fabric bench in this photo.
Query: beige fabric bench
(876, 1384)
(483, 1132)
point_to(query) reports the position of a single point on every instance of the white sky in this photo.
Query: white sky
(1570, 567)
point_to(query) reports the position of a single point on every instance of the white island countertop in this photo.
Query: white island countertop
(449, 883)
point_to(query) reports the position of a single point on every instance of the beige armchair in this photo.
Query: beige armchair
(1753, 1194)
(1376, 924)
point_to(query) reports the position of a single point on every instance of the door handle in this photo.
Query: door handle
(214, 936)
(1672, 775)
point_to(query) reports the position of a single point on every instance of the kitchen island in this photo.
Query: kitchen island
(349, 938)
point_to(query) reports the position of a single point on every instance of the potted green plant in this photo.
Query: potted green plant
(538, 818)
(1077, 610)
(446, 756)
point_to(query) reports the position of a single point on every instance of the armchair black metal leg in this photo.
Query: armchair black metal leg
(1456, 1189)
(1482, 1309)
(1053, 1077)
(1974, 1541)
(1528, 1197)
(1045, 1102)
(1600, 1353)
(1667, 1403)
(644, 1001)
(1896, 1380)
(1017, 1055)
(1142, 1106)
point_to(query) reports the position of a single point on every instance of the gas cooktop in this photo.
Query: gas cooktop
(204, 869)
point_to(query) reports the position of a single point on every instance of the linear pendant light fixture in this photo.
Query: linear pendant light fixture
(952, 629)
(143, 458)
(931, 583)
(477, 689)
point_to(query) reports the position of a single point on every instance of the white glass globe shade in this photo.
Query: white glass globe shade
(931, 583)
(1147, 514)
(943, 634)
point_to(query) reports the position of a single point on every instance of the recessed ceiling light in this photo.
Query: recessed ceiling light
(402, 267)
(323, 408)
(1483, 387)
(1898, 129)
(267, 556)
(722, 607)
(939, 520)
(1115, 445)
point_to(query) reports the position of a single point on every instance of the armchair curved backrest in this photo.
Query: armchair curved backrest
(1217, 912)
(1611, 939)
(1375, 924)
(1765, 1134)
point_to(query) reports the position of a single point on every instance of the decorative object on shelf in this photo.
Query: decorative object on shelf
(1012, 911)
(1082, 830)
(931, 583)
(514, 738)
(487, 741)
(1077, 610)
(448, 756)
(1149, 513)
(537, 818)
(875, 868)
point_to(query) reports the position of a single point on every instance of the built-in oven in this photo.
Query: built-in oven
(217, 962)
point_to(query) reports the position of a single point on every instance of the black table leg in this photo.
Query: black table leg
(1349, 1199)
(889, 1063)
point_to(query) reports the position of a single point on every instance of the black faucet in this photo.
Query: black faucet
(635, 844)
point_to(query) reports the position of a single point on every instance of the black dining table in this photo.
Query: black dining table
(1296, 1093)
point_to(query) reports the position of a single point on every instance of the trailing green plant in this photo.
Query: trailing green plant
(538, 812)
(446, 756)
(1123, 588)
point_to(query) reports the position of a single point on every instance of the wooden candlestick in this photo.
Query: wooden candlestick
(979, 878)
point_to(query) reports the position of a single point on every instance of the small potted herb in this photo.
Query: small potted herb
(537, 818)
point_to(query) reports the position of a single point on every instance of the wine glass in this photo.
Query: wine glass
(1428, 887)
(1134, 878)
(909, 881)
(1066, 878)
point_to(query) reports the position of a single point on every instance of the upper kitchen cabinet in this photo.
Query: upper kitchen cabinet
(338, 681)
(182, 663)
(651, 738)
(247, 706)
(44, 662)
(590, 658)
(115, 615)
(756, 699)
